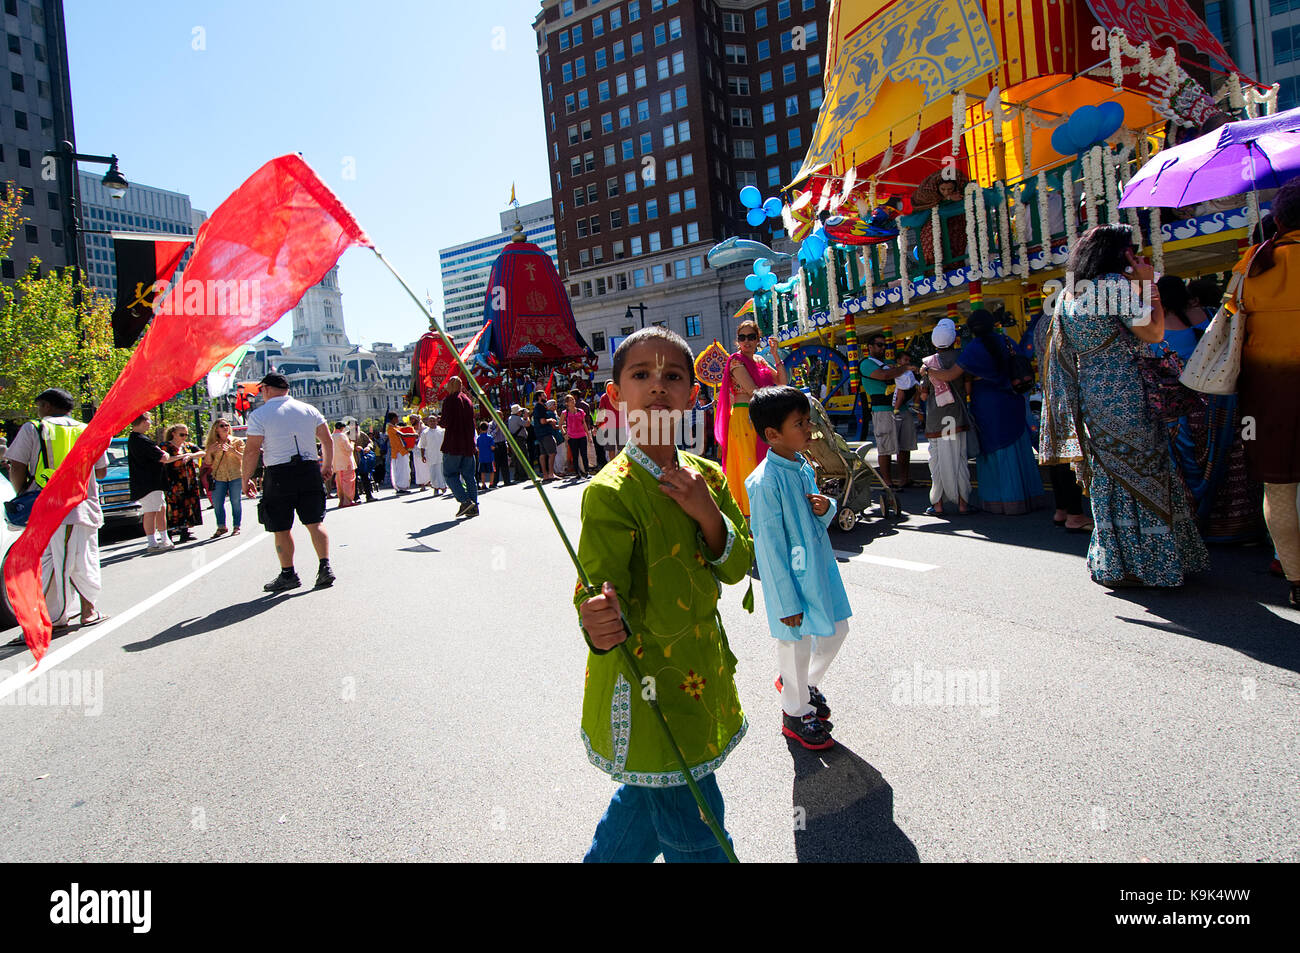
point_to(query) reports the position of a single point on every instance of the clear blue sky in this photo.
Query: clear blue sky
(439, 123)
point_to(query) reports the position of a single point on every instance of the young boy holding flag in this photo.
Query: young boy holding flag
(661, 532)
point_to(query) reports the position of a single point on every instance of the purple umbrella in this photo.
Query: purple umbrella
(1235, 158)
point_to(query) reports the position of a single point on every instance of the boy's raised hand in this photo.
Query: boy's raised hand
(603, 619)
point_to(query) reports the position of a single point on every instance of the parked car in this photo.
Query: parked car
(115, 488)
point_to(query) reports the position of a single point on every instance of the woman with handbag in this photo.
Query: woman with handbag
(224, 459)
(1097, 416)
(1270, 369)
(1206, 443)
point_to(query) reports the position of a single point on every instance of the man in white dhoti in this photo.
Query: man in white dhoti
(422, 474)
(429, 453)
(70, 563)
(947, 422)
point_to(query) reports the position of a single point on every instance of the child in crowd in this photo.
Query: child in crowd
(430, 449)
(805, 596)
(486, 455)
(660, 531)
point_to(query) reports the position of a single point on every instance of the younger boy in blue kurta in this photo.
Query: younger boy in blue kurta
(807, 607)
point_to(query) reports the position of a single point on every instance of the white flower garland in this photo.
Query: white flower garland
(1116, 59)
(1024, 225)
(869, 275)
(902, 265)
(832, 285)
(1126, 171)
(972, 232)
(801, 302)
(982, 219)
(1157, 243)
(1112, 196)
(1090, 189)
(1071, 209)
(1027, 140)
(1044, 220)
(1004, 230)
(958, 119)
(936, 246)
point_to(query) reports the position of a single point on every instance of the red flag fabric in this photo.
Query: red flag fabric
(550, 381)
(271, 240)
(433, 363)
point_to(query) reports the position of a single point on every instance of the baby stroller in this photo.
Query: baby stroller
(844, 476)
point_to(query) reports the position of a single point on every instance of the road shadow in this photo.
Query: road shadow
(433, 529)
(846, 809)
(230, 615)
(1225, 609)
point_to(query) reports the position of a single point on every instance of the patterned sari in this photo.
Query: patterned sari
(1095, 417)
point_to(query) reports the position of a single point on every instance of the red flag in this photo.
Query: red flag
(271, 240)
(549, 382)
(433, 363)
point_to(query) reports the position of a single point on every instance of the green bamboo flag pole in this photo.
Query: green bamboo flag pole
(592, 590)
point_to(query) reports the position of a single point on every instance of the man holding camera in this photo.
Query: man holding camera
(285, 432)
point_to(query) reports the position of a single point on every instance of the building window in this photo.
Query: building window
(674, 203)
(679, 63)
(595, 225)
(611, 187)
(583, 101)
(769, 145)
(32, 235)
(688, 199)
(815, 98)
(795, 138)
(620, 84)
(678, 236)
(670, 136)
(629, 182)
(638, 281)
(634, 11)
(643, 110)
(692, 231)
(675, 28)
(769, 112)
(763, 51)
(580, 67)
(616, 18)
(692, 325)
(602, 58)
(629, 151)
(661, 35)
(654, 241)
(615, 219)
(647, 143)
(651, 209)
(679, 97)
(736, 55)
(670, 170)
(598, 26)
(620, 52)
(742, 117)
(593, 194)
(624, 116)
(814, 65)
(634, 215)
(810, 32)
(657, 274)
(586, 129)
(774, 175)
(598, 340)
(638, 44)
(688, 165)
(789, 73)
(760, 18)
(634, 246)
(738, 85)
(665, 102)
(16, 82)
(783, 10)
(697, 265)
(602, 91)
(610, 157)
(638, 77)
(733, 22)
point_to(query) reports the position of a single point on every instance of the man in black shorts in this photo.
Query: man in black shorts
(285, 432)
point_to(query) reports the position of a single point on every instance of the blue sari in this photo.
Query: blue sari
(1008, 477)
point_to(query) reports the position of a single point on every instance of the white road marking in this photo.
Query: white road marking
(888, 561)
(95, 633)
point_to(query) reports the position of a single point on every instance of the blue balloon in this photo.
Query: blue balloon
(750, 197)
(772, 207)
(753, 283)
(1084, 124)
(762, 266)
(1112, 117)
(768, 281)
(1062, 142)
(755, 216)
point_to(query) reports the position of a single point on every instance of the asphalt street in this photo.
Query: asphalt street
(426, 707)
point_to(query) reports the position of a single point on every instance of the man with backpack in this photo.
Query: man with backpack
(70, 563)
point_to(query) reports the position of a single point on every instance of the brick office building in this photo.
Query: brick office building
(657, 113)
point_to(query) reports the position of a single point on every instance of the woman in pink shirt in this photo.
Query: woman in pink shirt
(575, 429)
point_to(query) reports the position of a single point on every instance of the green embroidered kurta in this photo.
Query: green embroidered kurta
(636, 537)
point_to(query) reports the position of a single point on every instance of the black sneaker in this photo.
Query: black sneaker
(324, 577)
(808, 731)
(283, 583)
(816, 699)
(472, 511)
(463, 507)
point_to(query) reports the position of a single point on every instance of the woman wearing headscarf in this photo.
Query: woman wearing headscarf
(946, 426)
(1270, 369)
(1009, 482)
(1206, 444)
(740, 448)
(1095, 416)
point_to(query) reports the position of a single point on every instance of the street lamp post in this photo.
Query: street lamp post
(117, 185)
(639, 307)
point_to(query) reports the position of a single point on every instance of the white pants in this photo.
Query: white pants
(399, 469)
(436, 479)
(949, 469)
(804, 663)
(70, 567)
(421, 470)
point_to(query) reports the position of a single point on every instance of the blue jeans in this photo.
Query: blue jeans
(232, 489)
(642, 823)
(461, 477)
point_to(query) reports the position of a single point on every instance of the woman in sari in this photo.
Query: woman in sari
(1206, 444)
(739, 447)
(1095, 416)
(1009, 481)
(181, 478)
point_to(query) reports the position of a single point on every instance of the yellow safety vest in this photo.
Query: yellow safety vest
(61, 439)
